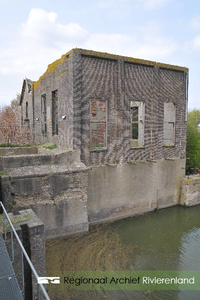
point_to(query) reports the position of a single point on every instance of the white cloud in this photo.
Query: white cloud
(151, 4)
(42, 39)
(42, 28)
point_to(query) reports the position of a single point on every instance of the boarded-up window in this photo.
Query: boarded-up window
(98, 123)
(169, 124)
(44, 114)
(26, 110)
(137, 124)
(55, 112)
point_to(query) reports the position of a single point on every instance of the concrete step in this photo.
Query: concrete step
(50, 158)
(7, 151)
(43, 170)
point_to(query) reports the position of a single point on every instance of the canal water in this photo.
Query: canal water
(167, 239)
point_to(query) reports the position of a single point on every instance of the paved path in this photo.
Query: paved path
(9, 288)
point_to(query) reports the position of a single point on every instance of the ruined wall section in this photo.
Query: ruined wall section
(190, 191)
(120, 80)
(27, 109)
(92, 86)
(156, 86)
(99, 82)
(139, 86)
(56, 81)
(173, 89)
(77, 99)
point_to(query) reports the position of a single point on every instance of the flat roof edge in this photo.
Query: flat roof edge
(106, 55)
(130, 59)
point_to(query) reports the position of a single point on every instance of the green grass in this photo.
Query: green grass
(14, 220)
(51, 147)
(2, 173)
(11, 145)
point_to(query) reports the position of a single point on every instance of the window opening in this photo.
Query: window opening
(98, 124)
(137, 124)
(44, 115)
(55, 112)
(169, 124)
(26, 110)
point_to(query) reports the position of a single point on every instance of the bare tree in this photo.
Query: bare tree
(10, 132)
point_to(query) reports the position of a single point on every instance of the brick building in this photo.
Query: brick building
(115, 110)
(112, 108)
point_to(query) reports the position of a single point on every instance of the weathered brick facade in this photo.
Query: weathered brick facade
(26, 102)
(95, 91)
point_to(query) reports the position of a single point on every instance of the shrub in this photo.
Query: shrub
(192, 148)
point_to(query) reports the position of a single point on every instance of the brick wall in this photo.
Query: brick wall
(120, 82)
(57, 77)
(83, 76)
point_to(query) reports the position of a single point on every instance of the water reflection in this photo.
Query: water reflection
(165, 240)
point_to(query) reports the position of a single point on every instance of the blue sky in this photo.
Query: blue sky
(35, 33)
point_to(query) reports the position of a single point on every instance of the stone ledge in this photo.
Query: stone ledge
(42, 170)
(59, 156)
(8, 151)
(26, 216)
(190, 190)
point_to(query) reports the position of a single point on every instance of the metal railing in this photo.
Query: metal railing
(23, 253)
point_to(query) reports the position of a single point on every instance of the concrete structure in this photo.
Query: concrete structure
(126, 117)
(190, 191)
(30, 230)
(126, 189)
(53, 183)
(112, 108)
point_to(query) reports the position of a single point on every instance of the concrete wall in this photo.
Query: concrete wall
(30, 230)
(67, 212)
(57, 194)
(57, 77)
(27, 96)
(116, 191)
(190, 191)
(14, 161)
(18, 151)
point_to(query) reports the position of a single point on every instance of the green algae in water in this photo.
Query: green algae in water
(165, 240)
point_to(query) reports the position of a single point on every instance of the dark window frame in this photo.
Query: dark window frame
(54, 113)
(44, 114)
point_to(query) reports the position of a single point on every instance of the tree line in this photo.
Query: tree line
(193, 142)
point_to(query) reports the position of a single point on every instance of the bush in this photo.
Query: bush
(192, 149)
(193, 117)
